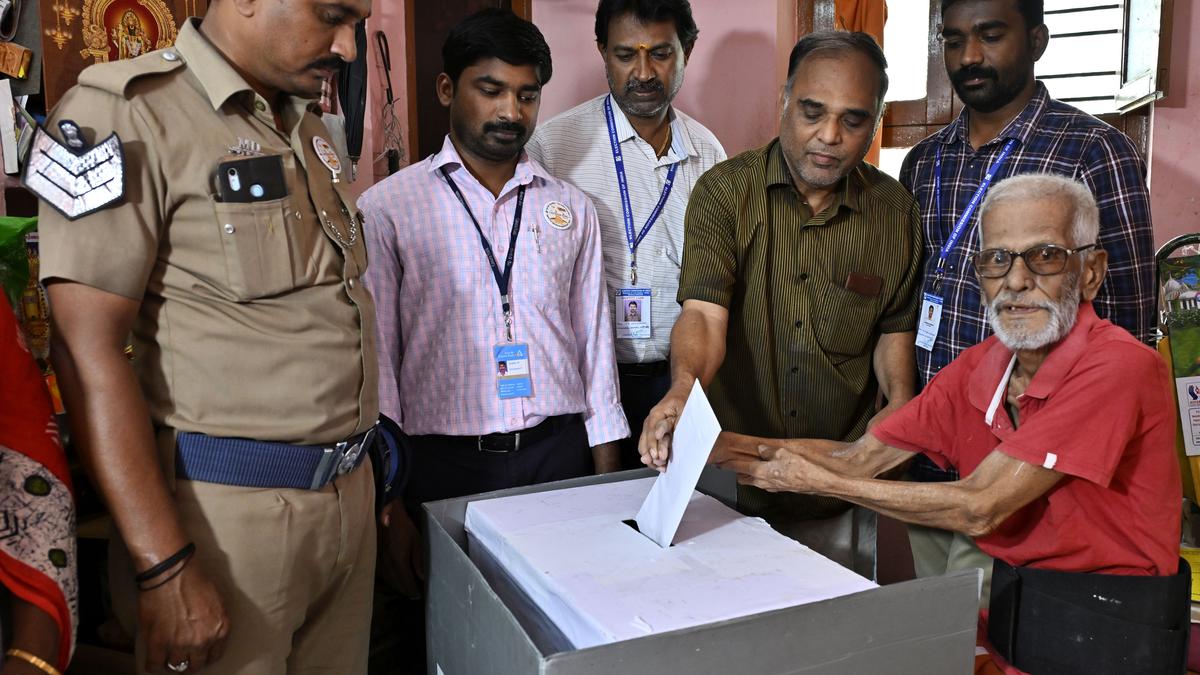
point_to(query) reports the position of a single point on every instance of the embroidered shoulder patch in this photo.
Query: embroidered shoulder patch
(73, 178)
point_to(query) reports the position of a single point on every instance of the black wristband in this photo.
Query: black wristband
(166, 580)
(167, 564)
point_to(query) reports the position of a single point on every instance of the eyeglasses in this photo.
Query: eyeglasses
(1043, 259)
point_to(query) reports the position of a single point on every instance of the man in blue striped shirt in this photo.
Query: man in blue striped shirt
(1011, 126)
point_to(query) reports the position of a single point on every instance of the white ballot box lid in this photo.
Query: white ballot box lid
(598, 580)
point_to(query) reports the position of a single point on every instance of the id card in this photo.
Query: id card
(633, 313)
(512, 371)
(929, 321)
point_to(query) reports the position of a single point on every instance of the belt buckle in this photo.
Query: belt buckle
(340, 459)
(353, 452)
(516, 444)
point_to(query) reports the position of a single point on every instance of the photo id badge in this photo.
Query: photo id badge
(929, 321)
(511, 363)
(633, 313)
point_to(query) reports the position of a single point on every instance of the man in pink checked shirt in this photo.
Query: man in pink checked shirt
(479, 256)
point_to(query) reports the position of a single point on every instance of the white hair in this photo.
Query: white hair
(1085, 224)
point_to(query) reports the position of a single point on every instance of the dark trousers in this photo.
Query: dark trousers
(444, 467)
(642, 388)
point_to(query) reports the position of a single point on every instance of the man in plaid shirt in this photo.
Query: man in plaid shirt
(1011, 126)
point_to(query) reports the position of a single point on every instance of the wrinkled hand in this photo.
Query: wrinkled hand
(654, 445)
(183, 620)
(774, 469)
(404, 565)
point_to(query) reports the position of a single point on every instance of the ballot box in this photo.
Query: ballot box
(480, 621)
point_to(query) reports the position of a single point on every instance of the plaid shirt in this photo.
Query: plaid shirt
(1052, 137)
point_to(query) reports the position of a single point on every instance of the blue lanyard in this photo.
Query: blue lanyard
(503, 278)
(626, 211)
(961, 224)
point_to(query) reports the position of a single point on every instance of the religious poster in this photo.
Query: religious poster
(79, 33)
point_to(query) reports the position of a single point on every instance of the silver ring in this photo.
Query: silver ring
(180, 667)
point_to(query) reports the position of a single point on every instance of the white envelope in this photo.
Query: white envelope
(692, 441)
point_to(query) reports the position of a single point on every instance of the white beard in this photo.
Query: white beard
(1062, 318)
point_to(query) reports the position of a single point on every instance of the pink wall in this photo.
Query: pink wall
(387, 16)
(735, 97)
(1175, 152)
(730, 85)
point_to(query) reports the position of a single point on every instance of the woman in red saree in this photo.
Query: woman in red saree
(37, 514)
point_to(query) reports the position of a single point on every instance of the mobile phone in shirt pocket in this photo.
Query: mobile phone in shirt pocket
(257, 246)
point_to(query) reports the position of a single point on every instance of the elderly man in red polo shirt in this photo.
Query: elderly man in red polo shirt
(1062, 426)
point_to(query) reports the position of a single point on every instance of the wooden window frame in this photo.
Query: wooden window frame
(906, 123)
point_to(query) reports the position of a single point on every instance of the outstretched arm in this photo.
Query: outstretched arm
(975, 505)
(697, 350)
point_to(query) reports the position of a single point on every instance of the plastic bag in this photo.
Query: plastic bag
(14, 257)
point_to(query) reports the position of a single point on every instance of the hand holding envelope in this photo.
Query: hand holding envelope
(693, 439)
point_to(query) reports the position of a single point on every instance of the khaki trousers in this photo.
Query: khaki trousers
(937, 552)
(295, 567)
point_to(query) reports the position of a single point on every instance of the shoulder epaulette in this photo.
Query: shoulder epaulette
(116, 76)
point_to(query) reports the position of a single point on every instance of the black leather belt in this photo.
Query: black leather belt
(511, 441)
(1072, 623)
(650, 369)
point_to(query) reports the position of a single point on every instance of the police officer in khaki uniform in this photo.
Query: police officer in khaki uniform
(216, 228)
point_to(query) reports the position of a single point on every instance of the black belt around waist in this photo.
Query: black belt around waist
(511, 441)
(265, 464)
(1068, 623)
(649, 369)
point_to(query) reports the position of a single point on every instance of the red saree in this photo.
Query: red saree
(37, 513)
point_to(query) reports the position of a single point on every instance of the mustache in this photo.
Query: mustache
(514, 127)
(328, 62)
(825, 150)
(644, 87)
(974, 72)
(1007, 297)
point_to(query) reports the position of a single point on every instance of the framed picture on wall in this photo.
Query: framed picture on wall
(79, 33)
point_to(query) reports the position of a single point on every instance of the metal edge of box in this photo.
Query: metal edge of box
(467, 623)
(930, 628)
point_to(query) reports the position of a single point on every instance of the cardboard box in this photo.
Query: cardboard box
(922, 627)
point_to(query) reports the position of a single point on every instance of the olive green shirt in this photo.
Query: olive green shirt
(252, 321)
(808, 295)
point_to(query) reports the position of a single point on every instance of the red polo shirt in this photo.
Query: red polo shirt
(1099, 411)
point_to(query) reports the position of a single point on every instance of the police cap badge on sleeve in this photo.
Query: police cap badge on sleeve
(73, 178)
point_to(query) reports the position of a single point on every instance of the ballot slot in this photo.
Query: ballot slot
(634, 526)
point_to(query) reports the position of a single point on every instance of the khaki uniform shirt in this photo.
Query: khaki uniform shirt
(253, 322)
(808, 294)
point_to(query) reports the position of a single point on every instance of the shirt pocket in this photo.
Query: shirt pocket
(257, 247)
(844, 322)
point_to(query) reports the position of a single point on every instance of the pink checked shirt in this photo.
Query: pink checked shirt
(439, 313)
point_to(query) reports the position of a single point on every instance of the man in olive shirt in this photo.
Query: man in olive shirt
(230, 451)
(800, 269)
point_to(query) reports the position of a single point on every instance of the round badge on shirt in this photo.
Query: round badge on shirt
(558, 215)
(327, 155)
